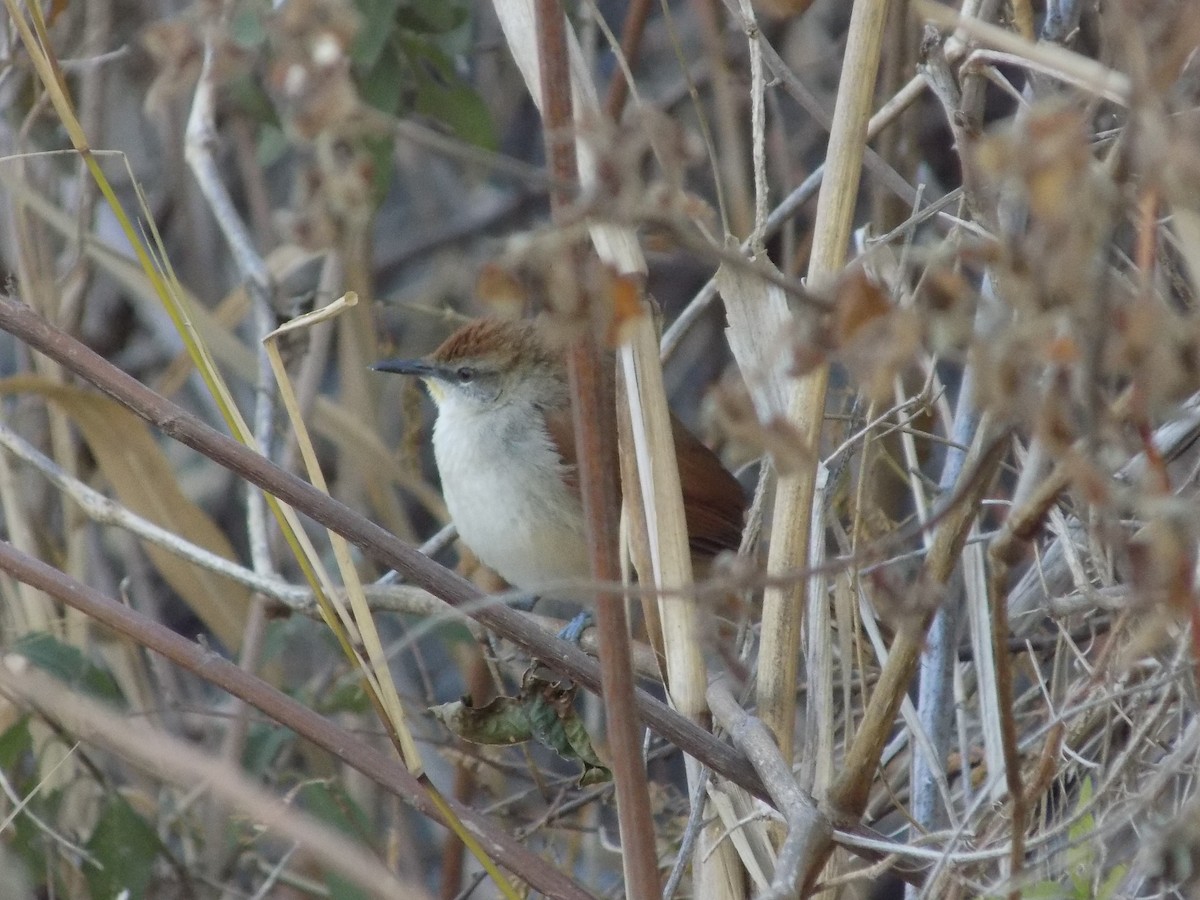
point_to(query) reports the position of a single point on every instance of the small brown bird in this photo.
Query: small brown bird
(504, 445)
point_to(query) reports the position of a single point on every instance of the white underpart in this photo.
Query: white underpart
(502, 481)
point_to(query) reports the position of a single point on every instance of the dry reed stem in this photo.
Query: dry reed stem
(653, 446)
(783, 609)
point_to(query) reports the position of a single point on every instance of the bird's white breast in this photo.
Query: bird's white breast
(502, 480)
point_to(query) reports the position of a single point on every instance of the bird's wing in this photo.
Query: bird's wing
(714, 504)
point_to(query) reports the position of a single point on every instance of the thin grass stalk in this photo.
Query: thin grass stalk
(935, 686)
(729, 161)
(935, 700)
(370, 651)
(1021, 526)
(1074, 68)
(716, 871)
(783, 608)
(632, 29)
(817, 763)
(102, 510)
(35, 273)
(786, 209)
(27, 610)
(200, 138)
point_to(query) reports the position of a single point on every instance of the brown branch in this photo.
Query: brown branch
(1021, 527)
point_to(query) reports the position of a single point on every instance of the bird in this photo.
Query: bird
(503, 441)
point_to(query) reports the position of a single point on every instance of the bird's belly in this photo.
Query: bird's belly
(529, 530)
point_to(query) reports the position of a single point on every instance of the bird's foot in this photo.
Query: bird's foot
(574, 629)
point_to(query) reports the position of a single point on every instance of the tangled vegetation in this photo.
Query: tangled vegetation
(925, 277)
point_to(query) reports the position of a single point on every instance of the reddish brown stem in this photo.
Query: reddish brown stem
(594, 411)
(478, 686)
(1147, 239)
(631, 42)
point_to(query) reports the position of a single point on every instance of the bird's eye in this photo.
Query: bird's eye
(465, 374)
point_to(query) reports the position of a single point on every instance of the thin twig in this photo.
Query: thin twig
(198, 150)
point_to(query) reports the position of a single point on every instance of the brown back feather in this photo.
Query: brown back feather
(714, 504)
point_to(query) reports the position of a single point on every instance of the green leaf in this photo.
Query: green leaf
(380, 150)
(263, 746)
(246, 26)
(343, 889)
(330, 803)
(22, 837)
(246, 95)
(433, 17)
(460, 108)
(543, 711)
(70, 666)
(272, 145)
(594, 771)
(383, 85)
(126, 847)
(561, 729)
(441, 94)
(1084, 825)
(1044, 890)
(16, 746)
(1112, 882)
(504, 721)
(348, 697)
(379, 22)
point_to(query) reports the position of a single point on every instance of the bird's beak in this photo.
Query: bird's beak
(418, 367)
(432, 374)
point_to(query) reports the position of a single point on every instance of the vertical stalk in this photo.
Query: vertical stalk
(594, 411)
(783, 608)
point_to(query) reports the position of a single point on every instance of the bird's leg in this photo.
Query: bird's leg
(574, 629)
